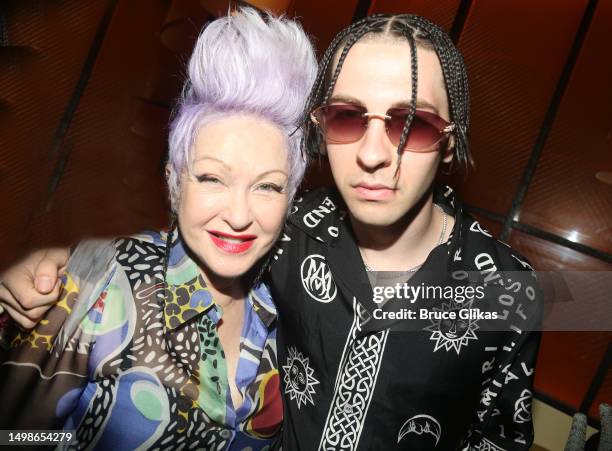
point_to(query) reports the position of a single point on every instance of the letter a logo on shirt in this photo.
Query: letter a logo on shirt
(317, 279)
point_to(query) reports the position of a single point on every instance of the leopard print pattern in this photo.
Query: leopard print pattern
(186, 301)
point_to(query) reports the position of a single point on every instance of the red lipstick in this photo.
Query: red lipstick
(233, 244)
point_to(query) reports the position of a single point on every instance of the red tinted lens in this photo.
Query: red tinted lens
(425, 130)
(342, 123)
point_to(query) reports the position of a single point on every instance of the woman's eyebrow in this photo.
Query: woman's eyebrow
(272, 171)
(208, 157)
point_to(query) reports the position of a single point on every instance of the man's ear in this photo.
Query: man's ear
(449, 151)
(323, 148)
(168, 171)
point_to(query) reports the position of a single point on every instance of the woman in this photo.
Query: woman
(169, 343)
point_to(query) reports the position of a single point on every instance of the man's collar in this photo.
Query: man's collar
(320, 212)
(445, 197)
(187, 295)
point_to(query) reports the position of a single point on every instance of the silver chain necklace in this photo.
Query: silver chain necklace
(440, 241)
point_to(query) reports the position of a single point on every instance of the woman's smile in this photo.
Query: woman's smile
(233, 244)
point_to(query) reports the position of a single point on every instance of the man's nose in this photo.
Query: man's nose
(375, 150)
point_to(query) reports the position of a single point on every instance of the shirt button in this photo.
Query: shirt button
(226, 434)
(348, 409)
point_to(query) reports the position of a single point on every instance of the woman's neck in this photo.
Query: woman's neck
(225, 291)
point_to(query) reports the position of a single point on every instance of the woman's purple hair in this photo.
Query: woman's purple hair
(244, 64)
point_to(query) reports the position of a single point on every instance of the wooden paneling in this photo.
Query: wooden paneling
(441, 12)
(515, 55)
(323, 20)
(604, 395)
(568, 361)
(47, 46)
(566, 196)
(112, 182)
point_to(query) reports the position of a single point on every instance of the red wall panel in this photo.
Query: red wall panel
(515, 54)
(441, 12)
(565, 196)
(112, 183)
(604, 395)
(567, 361)
(323, 21)
(48, 44)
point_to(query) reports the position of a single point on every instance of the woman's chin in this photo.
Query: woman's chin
(231, 268)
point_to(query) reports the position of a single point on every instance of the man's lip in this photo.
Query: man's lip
(372, 186)
(373, 191)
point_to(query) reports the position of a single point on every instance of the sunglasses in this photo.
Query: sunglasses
(346, 123)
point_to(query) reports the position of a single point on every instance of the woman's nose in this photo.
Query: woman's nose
(238, 211)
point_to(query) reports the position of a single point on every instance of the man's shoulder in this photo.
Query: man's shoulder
(508, 275)
(316, 210)
(486, 251)
(309, 199)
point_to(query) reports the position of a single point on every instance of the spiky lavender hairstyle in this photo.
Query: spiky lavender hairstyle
(244, 64)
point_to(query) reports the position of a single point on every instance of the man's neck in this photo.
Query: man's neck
(405, 244)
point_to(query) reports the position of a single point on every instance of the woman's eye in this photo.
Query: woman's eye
(270, 187)
(207, 179)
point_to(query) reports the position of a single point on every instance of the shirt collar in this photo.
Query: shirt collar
(321, 213)
(260, 300)
(445, 197)
(187, 295)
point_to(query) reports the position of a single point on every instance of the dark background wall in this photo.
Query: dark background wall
(86, 89)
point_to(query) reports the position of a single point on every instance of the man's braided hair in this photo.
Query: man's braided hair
(418, 32)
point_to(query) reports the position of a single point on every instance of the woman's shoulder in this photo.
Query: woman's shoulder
(147, 242)
(141, 252)
(102, 274)
(153, 238)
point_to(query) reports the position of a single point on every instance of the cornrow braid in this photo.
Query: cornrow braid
(456, 81)
(316, 93)
(327, 57)
(349, 43)
(417, 31)
(312, 141)
(407, 32)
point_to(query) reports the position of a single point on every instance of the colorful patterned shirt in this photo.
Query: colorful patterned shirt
(134, 361)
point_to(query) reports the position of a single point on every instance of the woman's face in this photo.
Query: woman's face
(233, 205)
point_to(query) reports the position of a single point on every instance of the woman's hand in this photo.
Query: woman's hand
(29, 288)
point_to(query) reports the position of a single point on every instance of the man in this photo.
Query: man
(390, 105)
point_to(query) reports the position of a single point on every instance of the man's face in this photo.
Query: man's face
(376, 75)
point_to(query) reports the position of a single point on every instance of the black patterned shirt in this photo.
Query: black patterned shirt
(360, 374)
